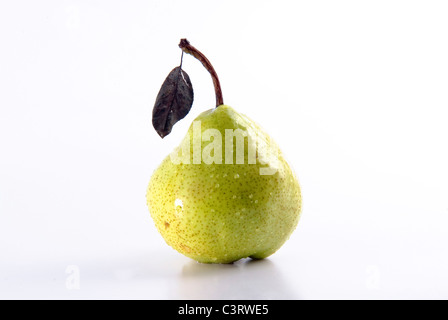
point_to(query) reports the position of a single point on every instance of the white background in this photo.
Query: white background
(354, 92)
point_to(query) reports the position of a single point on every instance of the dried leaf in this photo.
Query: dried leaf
(173, 102)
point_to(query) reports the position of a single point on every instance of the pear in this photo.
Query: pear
(220, 213)
(226, 192)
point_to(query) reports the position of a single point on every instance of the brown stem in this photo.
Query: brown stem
(188, 48)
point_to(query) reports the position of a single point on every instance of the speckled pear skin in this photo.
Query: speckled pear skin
(220, 213)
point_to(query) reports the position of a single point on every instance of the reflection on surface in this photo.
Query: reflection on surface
(245, 279)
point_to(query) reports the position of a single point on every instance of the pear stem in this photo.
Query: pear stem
(188, 48)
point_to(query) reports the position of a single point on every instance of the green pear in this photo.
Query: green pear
(226, 192)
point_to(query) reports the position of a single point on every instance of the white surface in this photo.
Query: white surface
(355, 93)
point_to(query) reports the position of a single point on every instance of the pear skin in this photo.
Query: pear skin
(215, 203)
